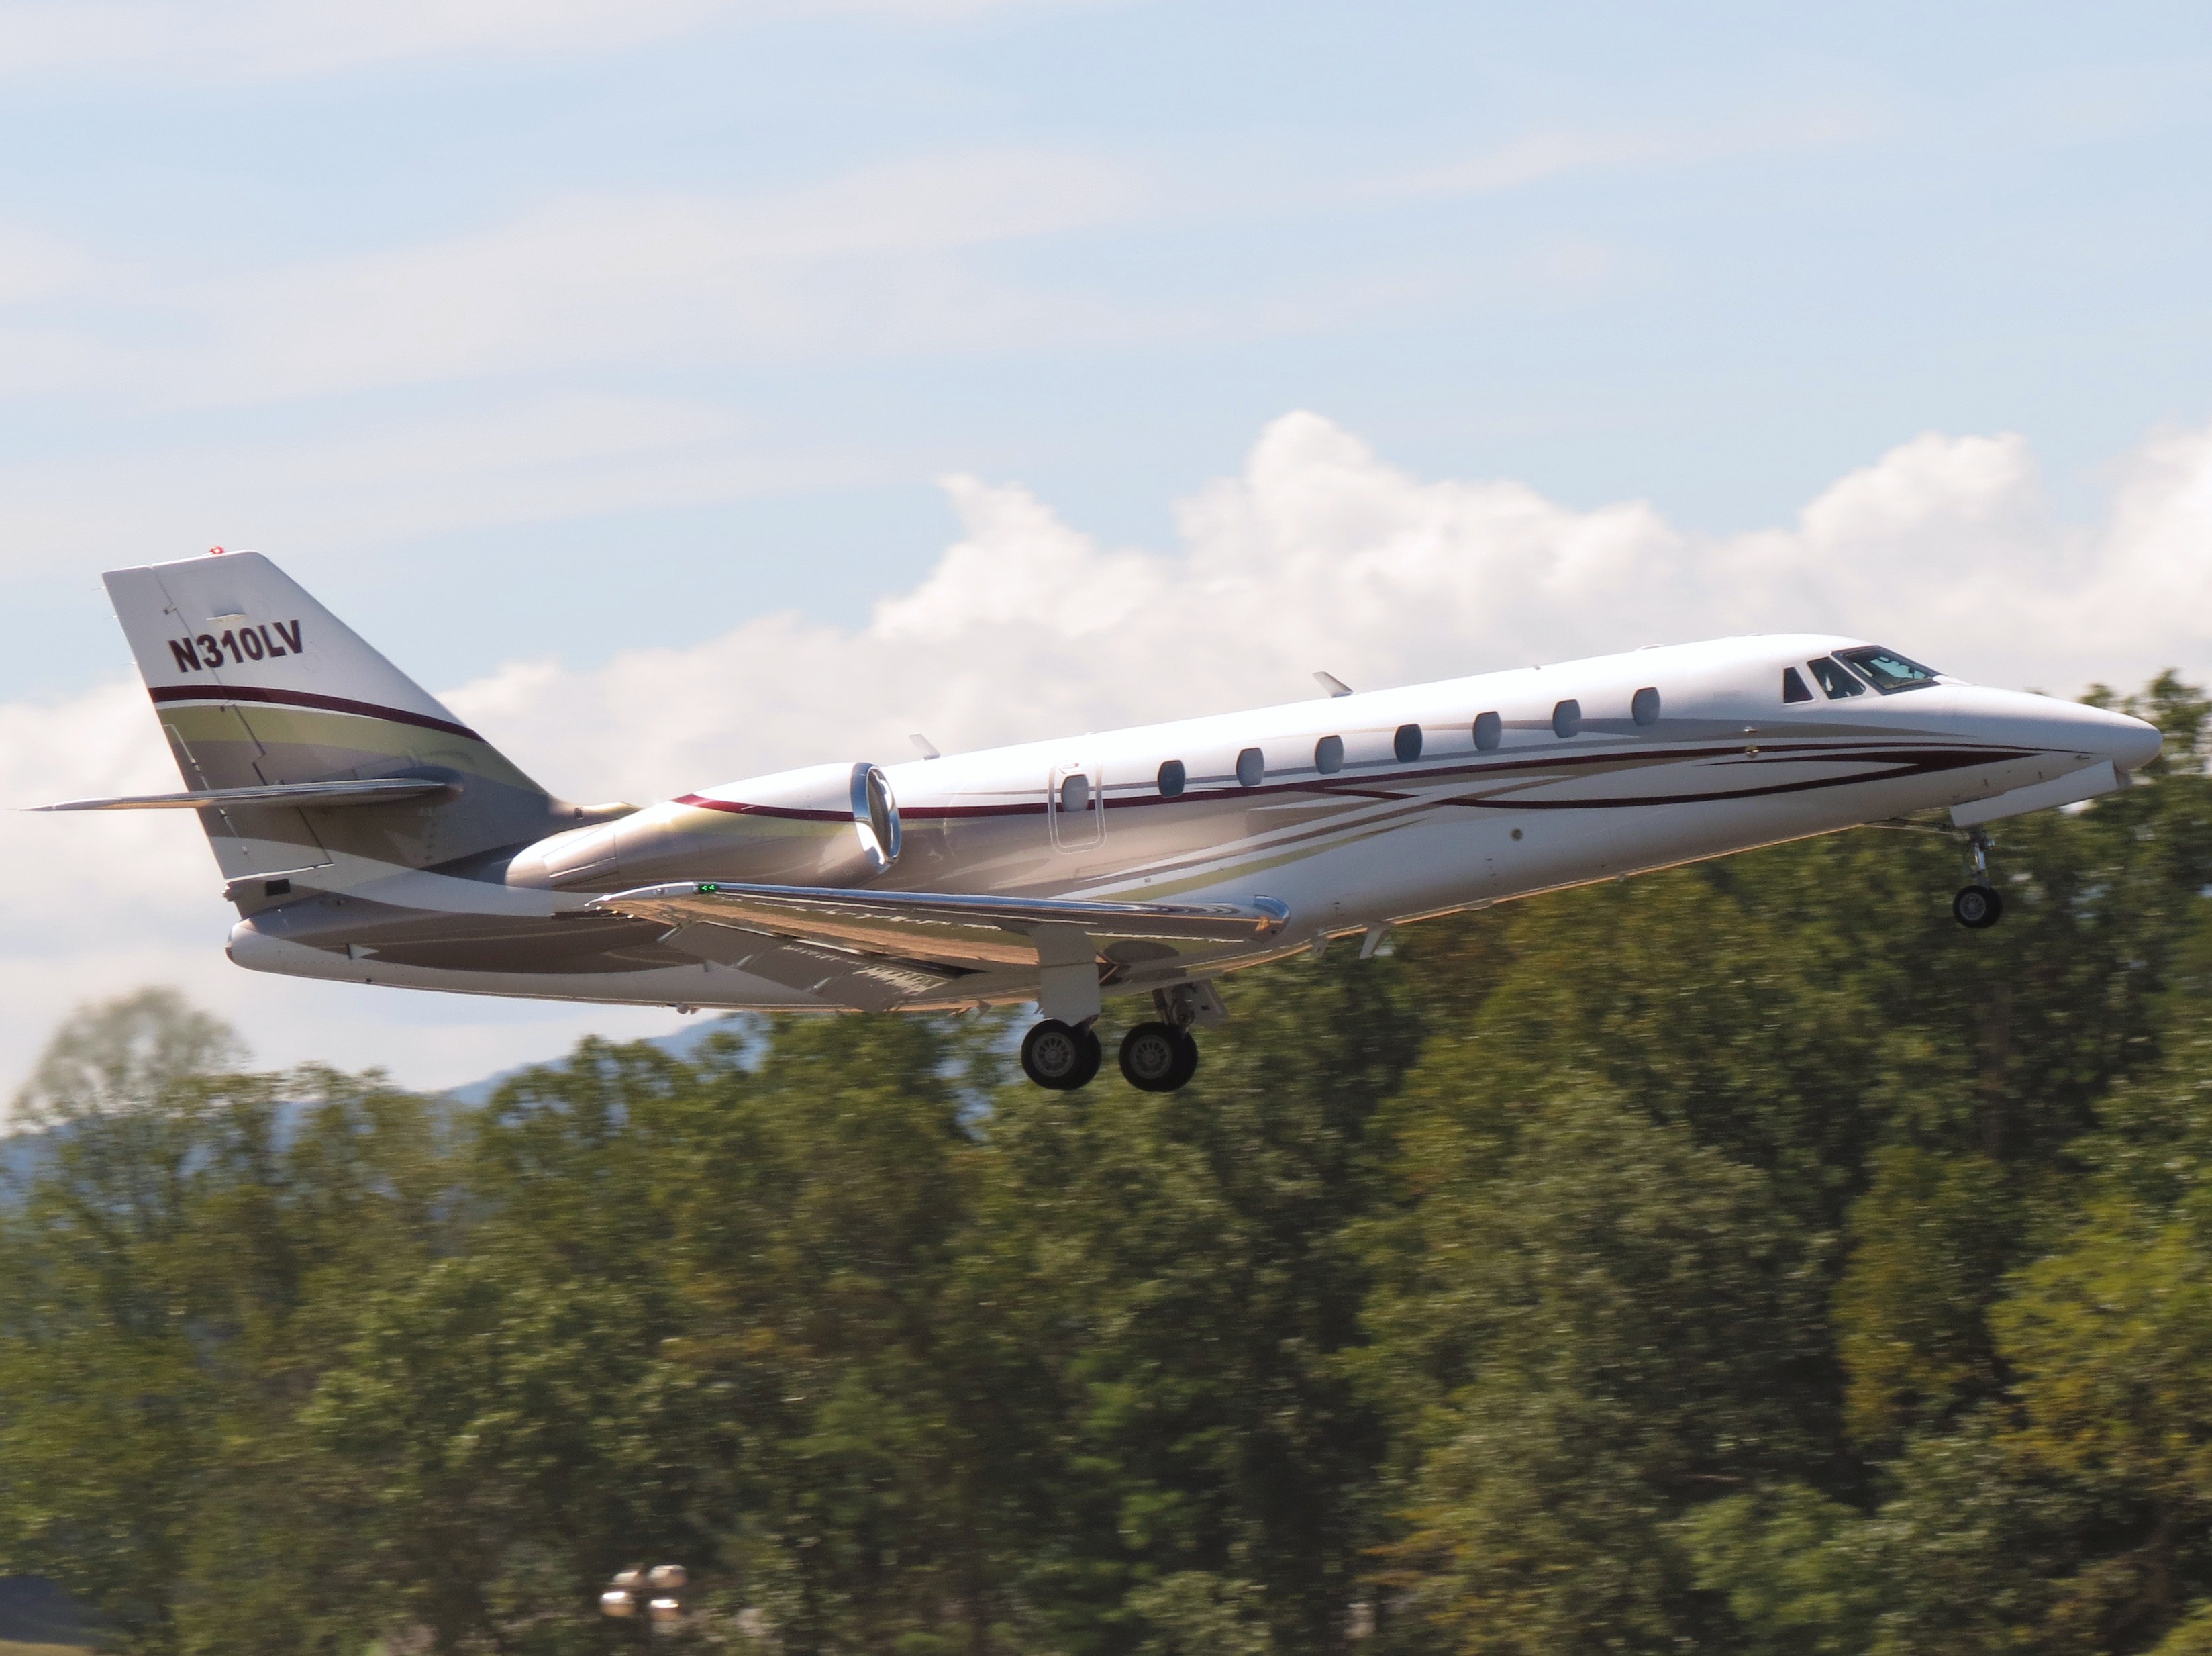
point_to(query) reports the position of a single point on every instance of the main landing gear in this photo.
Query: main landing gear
(1978, 906)
(1157, 1055)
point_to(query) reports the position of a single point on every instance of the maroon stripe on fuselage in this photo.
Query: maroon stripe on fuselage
(1031, 808)
(1919, 766)
(304, 698)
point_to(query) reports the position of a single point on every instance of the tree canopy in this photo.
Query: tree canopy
(1742, 1258)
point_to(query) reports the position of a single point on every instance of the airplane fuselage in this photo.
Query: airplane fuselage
(1348, 814)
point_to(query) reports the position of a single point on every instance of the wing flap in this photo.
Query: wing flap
(324, 796)
(937, 925)
(865, 982)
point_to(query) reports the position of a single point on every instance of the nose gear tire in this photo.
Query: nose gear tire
(1977, 908)
(1060, 1056)
(1158, 1057)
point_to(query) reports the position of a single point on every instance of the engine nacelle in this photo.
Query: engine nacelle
(829, 824)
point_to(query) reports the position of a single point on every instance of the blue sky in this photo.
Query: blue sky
(689, 388)
(1711, 256)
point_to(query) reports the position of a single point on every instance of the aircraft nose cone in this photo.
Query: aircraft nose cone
(2128, 742)
(2095, 732)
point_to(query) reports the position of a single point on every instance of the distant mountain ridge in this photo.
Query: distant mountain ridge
(21, 1154)
(679, 1044)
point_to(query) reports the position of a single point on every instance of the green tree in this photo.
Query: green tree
(1598, 1323)
(1929, 1244)
(169, 1284)
(1186, 1269)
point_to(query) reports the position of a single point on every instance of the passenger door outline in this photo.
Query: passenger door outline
(1082, 829)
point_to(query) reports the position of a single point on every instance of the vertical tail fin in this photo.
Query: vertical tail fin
(256, 683)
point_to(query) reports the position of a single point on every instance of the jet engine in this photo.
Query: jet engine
(829, 824)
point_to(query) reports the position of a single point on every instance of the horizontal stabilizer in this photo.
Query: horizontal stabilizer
(935, 925)
(369, 790)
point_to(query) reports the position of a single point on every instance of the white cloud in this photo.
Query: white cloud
(1540, 156)
(868, 263)
(512, 462)
(266, 39)
(1316, 555)
(882, 260)
(1532, 159)
(1319, 555)
(35, 264)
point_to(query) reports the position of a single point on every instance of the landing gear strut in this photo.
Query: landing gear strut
(1161, 1056)
(1060, 1057)
(1978, 906)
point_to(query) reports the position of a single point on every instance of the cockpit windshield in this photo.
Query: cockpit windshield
(1835, 680)
(1886, 671)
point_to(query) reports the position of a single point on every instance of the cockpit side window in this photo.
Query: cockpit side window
(1886, 671)
(1793, 687)
(1831, 679)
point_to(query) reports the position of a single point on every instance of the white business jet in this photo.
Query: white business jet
(366, 835)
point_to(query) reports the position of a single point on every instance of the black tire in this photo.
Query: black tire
(1152, 1057)
(1093, 1054)
(1977, 908)
(1189, 1066)
(1059, 1056)
(1158, 1057)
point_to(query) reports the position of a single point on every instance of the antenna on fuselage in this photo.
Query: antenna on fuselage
(1334, 685)
(924, 747)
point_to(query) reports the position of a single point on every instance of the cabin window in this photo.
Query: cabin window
(1793, 687)
(1172, 777)
(1407, 744)
(1075, 792)
(1250, 768)
(1489, 730)
(1566, 718)
(1328, 755)
(1888, 671)
(1643, 708)
(1832, 678)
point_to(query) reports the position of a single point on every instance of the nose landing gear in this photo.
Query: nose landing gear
(1978, 906)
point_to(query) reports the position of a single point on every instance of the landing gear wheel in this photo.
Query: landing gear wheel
(1060, 1056)
(1977, 908)
(1158, 1057)
(1188, 1066)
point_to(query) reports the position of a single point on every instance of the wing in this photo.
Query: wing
(926, 926)
(369, 790)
